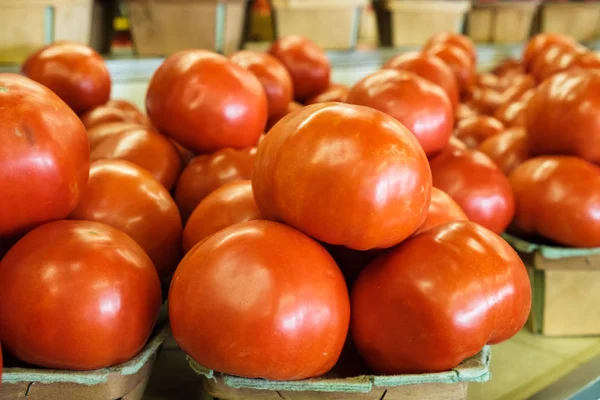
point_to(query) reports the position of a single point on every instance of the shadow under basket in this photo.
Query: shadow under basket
(449, 385)
(163, 27)
(127, 381)
(565, 285)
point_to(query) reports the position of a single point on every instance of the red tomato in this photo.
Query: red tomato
(89, 288)
(561, 116)
(307, 63)
(472, 131)
(227, 205)
(361, 180)
(442, 209)
(421, 106)
(519, 85)
(541, 41)
(44, 156)
(458, 60)
(485, 100)
(549, 60)
(558, 197)
(127, 197)
(464, 111)
(335, 92)
(98, 133)
(273, 76)
(488, 80)
(507, 149)
(207, 172)
(145, 148)
(477, 185)
(451, 39)
(124, 105)
(185, 154)
(431, 68)
(260, 300)
(508, 66)
(74, 71)
(586, 60)
(437, 299)
(206, 102)
(107, 114)
(293, 106)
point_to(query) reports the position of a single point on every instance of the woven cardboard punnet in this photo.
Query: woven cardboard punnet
(449, 385)
(565, 286)
(576, 19)
(123, 382)
(501, 22)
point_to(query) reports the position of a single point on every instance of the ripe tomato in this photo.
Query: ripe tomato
(108, 114)
(561, 116)
(361, 179)
(185, 154)
(508, 66)
(558, 197)
(145, 148)
(541, 41)
(585, 60)
(431, 68)
(550, 60)
(97, 134)
(127, 197)
(422, 307)
(518, 87)
(488, 80)
(206, 102)
(464, 111)
(485, 100)
(451, 39)
(442, 209)
(472, 131)
(507, 149)
(293, 106)
(207, 172)
(124, 105)
(458, 60)
(307, 63)
(227, 205)
(260, 300)
(477, 185)
(44, 156)
(335, 92)
(273, 76)
(89, 288)
(421, 106)
(74, 71)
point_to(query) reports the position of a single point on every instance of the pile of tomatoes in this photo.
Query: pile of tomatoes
(290, 219)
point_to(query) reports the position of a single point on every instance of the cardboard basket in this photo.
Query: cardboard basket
(565, 286)
(162, 27)
(412, 22)
(578, 20)
(123, 382)
(28, 25)
(332, 24)
(450, 385)
(501, 22)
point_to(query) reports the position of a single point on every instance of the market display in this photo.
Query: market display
(295, 223)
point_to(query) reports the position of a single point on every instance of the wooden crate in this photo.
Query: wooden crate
(28, 25)
(332, 24)
(450, 385)
(412, 22)
(578, 20)
(501, 22)
(162, 27)
(123, 382)
(565, 287)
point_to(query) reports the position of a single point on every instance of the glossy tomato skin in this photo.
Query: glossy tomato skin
(561, 116)
(335, 92)
(442, 210)
(341, 156)
(541, 41)
(463, 111)
(306, 62)
(146, 148)
(508, 66)
(421, 106)
(458, 60)
(233, 297)
(98, 291)
(107, 114)
(293, 106)
(127, 197)
(97, 134)
(472, 131)
(273, 76)
(207, 172)
(507, 149)
(485, 100)
(74, 71)
(230, 204)
(206, 102)
(44, 156)
(431, 68)
(413, 308)
(477, 185)
(451, 39)
(519, 86)
(558, 197)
